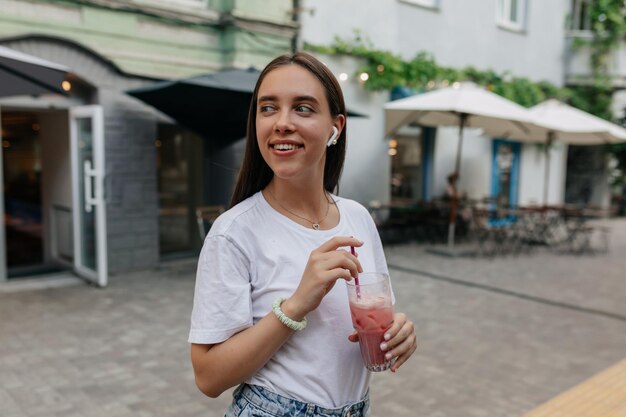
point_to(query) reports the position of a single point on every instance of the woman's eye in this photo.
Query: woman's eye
(303, 109)
(265, 109)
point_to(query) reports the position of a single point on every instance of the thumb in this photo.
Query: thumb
(354, 337)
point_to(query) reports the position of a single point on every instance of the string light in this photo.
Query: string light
(343, 76)
(393, 147)
(66, 86)
(380, 68)
(364, 76)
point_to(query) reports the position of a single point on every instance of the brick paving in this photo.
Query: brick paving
(603, 395)
(497, 338)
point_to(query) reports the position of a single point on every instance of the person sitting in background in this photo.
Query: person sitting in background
(451, 192)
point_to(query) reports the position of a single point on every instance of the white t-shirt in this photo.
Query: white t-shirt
(253, 255)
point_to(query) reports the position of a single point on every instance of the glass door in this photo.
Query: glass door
(89, 211)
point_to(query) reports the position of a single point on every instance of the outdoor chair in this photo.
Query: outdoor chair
(490, 239)
(205, 216)
(583, 236)
(497, 232)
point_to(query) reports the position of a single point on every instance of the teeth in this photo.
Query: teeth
(284, 147)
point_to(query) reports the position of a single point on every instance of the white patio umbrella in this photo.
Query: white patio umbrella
(572, 126)
(463, 105)
(24, 74)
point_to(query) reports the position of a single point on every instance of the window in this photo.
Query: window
(581, 16)
(411, 154)
(430, 4)
(180, 184)
(172, 4)
(511, 14)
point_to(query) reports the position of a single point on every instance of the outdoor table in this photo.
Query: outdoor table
(580, 230)
(542, 225)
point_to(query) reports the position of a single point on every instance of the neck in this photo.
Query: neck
(308, 200)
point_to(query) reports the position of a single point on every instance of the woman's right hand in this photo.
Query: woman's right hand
(326, 264)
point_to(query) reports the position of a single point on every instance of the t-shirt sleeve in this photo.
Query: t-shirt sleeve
(222, 302)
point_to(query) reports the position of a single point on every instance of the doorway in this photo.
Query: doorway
(505, 172)
(23, 220)
(35, 179)
(504, 180)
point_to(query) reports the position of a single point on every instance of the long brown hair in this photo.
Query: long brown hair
(255, 174)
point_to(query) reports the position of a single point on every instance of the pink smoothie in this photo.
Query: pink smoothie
(371, 320)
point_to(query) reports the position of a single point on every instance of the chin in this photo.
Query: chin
(286, 174)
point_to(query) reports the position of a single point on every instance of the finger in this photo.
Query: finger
(398, 321)
(404, 357)
(338, 257)
(343, 260)
(401, 347)
(406, 330)
(337, 242)
(350, 262)
(337, 273)
(354, 337)
(355, 260)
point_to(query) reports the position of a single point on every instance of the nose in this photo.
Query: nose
(284, 123)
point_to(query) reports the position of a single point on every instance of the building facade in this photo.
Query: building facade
(98, 169)
(524, 38)
(97, 181)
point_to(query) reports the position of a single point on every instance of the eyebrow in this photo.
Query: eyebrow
(297, 98)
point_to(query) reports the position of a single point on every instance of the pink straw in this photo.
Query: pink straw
(356, 277)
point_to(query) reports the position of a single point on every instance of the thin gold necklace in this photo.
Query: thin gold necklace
(314, 225)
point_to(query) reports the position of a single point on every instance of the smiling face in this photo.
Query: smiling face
(293, 123)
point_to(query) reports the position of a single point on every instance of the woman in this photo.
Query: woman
(267, 314)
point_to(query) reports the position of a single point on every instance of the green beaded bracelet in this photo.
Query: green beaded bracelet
(292, 324)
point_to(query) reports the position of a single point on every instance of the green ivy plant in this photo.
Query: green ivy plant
(387, 71)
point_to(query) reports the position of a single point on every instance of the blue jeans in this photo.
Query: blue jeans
(254, 401)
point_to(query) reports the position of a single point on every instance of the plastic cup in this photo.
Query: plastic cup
(372, 316)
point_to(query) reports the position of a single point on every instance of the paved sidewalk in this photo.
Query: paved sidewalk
(602, 395)
(497, 338)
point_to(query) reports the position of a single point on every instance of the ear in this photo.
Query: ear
(338, 124)
(333, 138)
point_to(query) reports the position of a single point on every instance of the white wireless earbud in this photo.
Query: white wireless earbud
(333, 138)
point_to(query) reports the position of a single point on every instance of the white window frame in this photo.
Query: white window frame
(503, 17)
(427, 4)
(575, 24)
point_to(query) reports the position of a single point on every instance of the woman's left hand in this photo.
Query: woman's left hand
(400, 340)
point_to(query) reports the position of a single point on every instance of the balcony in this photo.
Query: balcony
(577, 61)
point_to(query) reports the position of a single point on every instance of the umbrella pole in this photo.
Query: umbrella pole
(546, 178)
(454, 202)
(457, 164)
